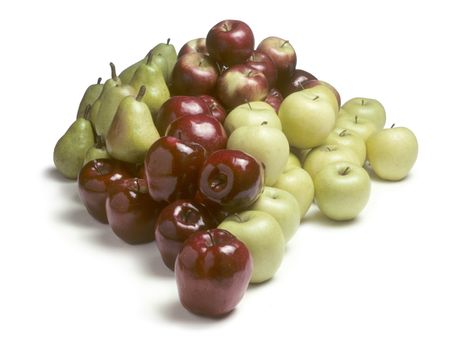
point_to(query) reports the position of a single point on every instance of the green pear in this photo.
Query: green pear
(128, 73)
(167, 51)
(97, 151)
(132, 131)
(90, 96)
(159, 61)
(71, 148)
(150, 76)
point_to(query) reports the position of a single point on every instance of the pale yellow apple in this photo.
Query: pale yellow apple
(292, 162)
(367, 108)
(361, 126)
(344, 137)
(326, 93)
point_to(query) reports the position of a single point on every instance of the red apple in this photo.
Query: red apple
(194, 45)
(212, 271)
(295, 82)
(230, 42)
(194, 74)
(215, 108)
(240, 84)
(179, 106)
(172, 167)
(202, 129)
(217, 213)
(263, 63)
(281, 53)
(232, 179)
(274, 99)
(312, 83)
(176, 222)
(94, 180)
(131, 212)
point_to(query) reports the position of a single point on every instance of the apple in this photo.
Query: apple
(367, 108)
(292, 162)
(130, 210)
(327, 89)
(274, 99)
(343, 137)
(212, 271)
(263, 63)
(266, 144)
(307, 119)
(392, 152)
(297, 182)
(194, 45)
(251, 113)
(283, 207)
(263, 236)
(342, 190)
(202, 129)
(240, 84)
(361, 126)
(320, 156)
(300, 153)
(194, 74)
(295, 82)
(216, 110)
(281, 53)
(230, 42)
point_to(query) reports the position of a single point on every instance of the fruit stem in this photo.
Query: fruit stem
(343, 133)
(225, 26)
(211, 239)
(285, 42)
(345, 171)
(99, 80)
(168, 41)
(239, 218)
(392, 125)
(356, 118)
(316, 97)
(113, 71)
(363, 102)
(141, 93)
(249, 104)
(97, 168)
(264, 123)
(100, 142)
(136, 182)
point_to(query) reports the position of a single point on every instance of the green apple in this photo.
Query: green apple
(266, 144)
(344, 113)
(392, 152)
(327, 94)
(306, 118)
(297, 182)
(344, 137)
(282, 206)
(342, 190)
(321, 156)
(361, 126)
(263, 236)
(367, 108)
(292, 162)
(251, 113)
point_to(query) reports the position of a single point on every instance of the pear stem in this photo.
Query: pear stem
(99, 80)
(141, 93)
(113, 71)
(168, 41)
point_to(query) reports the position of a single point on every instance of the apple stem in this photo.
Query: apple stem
(136, 182)
(141, 93)
(363, 102)
(211, 238)
(239, 218)
(168, 41)
(264, 123)
(316, 97)
(343, 133)
(113, 71)
(392, 125)
(345, 171)
(285, 42)
(97, 168)
(249, 105)
(356, 118)
(225, 26)
(329, 149)
(99, 80)
(86, 114)
(249, 73)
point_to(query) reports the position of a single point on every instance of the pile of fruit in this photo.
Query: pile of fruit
(218, 151)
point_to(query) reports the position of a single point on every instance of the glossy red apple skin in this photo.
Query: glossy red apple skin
(274, 99)
(230, 42)
(281, 53)
(212, 271)
(231, 178)
(216, 212)
(179, 106)
(194, 74)
(263, 63)
(216, 110)
(240, 84)
(94, 179)
(176, 222)
(202, 129)
(311, 83)
(295, 82)
(194, 45)
(172, 168)
(131, 212)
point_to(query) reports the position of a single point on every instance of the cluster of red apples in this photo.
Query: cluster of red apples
(216, 191)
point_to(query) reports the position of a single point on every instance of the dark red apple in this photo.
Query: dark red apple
(212, 271)
(281, 53)
(131, 212)
(240, 84)
(311, 83)
(215, 108)
(274, 99)
(94, 180)
(230, 42)
(176, 222)
(194, 45)
(263, 63)
(202, 129)
(172, 168)
(231, 178)
(194, 74)
(179, 106)
(217, 213)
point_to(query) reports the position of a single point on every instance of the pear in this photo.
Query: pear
(132, 131)
(97, 151)
(71, 148)
(159, 61)
(128, 73)
(167, 51)
(152, 78)
(90, 96)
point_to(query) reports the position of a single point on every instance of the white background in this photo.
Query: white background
(380, 282)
